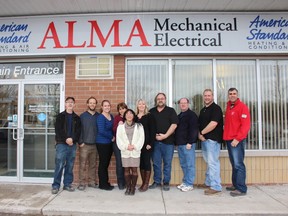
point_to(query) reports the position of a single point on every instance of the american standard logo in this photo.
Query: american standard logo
(14, 38)
(195, 29)
(268, 34)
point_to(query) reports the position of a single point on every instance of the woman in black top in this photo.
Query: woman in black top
(149, 124)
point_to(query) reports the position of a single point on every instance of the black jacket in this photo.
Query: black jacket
(61, 127)
(149, 125)
(187, 129)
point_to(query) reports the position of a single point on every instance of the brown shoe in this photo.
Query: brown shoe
(236, 193)
(211, 192)
(203, 186)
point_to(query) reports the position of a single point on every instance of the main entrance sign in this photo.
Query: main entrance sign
(25, 69)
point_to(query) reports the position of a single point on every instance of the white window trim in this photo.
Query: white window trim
(96, 76)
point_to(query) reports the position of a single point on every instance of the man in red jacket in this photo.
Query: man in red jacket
(236, 128)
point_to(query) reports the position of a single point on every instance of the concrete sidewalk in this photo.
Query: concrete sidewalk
(32, 199)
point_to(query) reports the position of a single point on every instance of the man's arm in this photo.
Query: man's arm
(210, 127)
(170, 131)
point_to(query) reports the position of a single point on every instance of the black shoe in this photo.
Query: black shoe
(55, 190)
(69, 188)
(121, 187)
(166, 187)
(108, 187)
(230, 188)
(154, 185)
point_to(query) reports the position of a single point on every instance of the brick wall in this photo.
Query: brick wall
(110, 89)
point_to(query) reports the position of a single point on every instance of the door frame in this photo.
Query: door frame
(20, 125)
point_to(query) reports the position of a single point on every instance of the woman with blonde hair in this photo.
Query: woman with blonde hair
(149, 124)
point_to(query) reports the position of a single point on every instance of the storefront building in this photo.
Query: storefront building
(128, 56)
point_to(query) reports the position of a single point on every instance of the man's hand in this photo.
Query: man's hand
(160, 136)
(201, 137)
(69, 141)
(234, 143)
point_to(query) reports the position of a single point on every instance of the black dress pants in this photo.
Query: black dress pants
(105, 153)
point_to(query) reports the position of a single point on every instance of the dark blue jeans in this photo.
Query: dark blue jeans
(162, 153)
(236, 156)
(119, 168)
(64, 160)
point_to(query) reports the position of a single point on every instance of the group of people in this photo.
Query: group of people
(138, 137)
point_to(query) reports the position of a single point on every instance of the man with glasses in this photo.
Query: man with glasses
(186, 136)
(67, 130)
(166, 123)
(236, 128)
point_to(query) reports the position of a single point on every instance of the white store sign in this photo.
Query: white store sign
(145, 33)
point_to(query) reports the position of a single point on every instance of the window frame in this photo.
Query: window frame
(252, 152)
(110, 67)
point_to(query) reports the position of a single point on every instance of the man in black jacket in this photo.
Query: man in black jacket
(68, 130)
(186, 136)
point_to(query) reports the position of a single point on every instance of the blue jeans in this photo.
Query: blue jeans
(187, 162)
(64, 159)
(236, 156)
(162, 152)
(119, 167)
(211, 153)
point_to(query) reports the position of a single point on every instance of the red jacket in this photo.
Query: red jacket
(237, 121)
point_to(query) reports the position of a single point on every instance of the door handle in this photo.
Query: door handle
(20, 133)
(13, 133)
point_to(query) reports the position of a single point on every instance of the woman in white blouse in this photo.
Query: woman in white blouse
(130, 139)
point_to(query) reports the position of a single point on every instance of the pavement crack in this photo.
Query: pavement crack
(164, 204)
(271, 196)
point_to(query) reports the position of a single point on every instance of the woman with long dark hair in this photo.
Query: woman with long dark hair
(130, 139)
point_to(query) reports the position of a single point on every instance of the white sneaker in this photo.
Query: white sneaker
(181, 186)
(187, 188)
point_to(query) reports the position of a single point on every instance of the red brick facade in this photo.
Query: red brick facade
(110, 89)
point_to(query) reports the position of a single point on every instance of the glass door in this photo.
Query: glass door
(41, 105)
(27, 117)
(10, 133)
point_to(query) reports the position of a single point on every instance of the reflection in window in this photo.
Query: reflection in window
(191, 77)
(274, 98)
(240, 74)
(145, 78)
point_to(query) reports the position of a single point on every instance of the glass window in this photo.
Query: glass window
(274, 99)
(145, 78)
(240, 74)
(190, 78)
(89, 67)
